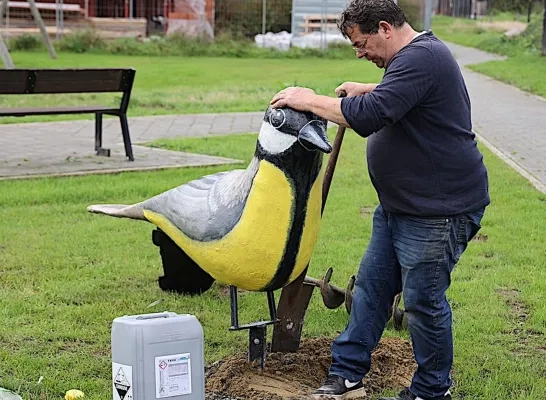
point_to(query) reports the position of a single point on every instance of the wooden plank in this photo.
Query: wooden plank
(317, 24)
(13, 32)
(316, 27)
(13, 81)
(105, 27)
(22, 22)
(103, 33)
(100, 21)
(319, 21)
(320, 17)
(118, 27)
(78, 81)
(46, 6)
(15, 23)
(109, 28)
(21, 112)
(50, 81)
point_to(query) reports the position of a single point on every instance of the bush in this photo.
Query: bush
(26, 42)
(224, 45)
(127, 46)
(81, 42)
(528, 42)
(532, 36)
(519, 6)
(468, 33)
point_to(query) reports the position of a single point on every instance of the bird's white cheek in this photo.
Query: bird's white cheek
(273, 141)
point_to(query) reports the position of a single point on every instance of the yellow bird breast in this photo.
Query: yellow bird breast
(249, 255)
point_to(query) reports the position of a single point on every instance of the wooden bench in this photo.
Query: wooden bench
(63, 81)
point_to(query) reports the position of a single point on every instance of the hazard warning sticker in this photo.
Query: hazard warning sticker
(172, 375)
(122, 379)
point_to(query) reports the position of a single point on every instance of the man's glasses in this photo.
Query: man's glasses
(361, 47)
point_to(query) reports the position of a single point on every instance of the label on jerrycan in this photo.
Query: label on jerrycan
(172, 375)
(122, 379)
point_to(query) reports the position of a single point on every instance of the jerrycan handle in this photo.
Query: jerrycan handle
(153, 316)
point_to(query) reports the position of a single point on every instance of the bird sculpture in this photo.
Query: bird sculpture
(254, 228)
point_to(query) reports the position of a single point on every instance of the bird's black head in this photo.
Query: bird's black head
(284, 128)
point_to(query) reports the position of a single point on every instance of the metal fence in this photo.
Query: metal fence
(237, 18)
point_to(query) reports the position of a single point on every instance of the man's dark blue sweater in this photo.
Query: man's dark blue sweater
(422, 155)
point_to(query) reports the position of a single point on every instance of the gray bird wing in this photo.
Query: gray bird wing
(204, 209)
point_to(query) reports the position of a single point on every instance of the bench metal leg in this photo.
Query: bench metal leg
(98, 137)
(126, 137)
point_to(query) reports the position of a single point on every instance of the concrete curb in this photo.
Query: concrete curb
(512, 163)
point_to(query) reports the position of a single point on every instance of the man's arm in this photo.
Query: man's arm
(407, 81)
(355, 88)
(304, 99)
(328, 108)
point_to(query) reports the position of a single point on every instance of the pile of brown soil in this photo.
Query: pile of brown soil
(296, 375)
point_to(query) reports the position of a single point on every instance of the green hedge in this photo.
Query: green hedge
(224, 45)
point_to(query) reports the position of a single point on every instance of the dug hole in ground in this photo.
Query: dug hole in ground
(296, 375)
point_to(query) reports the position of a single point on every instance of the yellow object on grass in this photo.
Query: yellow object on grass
(74, 394)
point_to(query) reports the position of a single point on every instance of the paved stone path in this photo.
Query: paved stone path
(67, 148)
(510, 122)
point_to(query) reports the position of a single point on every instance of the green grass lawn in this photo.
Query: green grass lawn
(524, 67)
(182, 84)
(66, 274)
(174, 85)
(527, 73)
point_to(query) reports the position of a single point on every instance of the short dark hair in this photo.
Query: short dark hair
(366, 14)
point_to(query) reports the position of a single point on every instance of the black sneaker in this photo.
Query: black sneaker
(407, 395)
(340, 388)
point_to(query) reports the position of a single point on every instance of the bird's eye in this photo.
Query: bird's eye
(277, 118)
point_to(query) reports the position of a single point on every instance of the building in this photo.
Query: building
(116, 17)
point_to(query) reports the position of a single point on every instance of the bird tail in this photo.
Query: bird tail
(118, 210)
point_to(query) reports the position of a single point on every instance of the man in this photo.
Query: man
(432, 187)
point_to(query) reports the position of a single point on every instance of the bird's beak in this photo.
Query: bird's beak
(313, 137)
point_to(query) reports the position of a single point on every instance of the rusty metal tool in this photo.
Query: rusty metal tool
(397, 313)
(349, 294)
(296, 296)
(332, 296)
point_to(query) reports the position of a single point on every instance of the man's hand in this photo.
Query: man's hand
(355, 88)
(298, 98)
(304, 99)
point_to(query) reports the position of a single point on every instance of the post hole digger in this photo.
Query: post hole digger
(296, 296)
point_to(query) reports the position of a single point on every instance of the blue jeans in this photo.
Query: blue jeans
(414, 256)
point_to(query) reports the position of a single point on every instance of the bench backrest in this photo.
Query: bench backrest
(49, 81)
